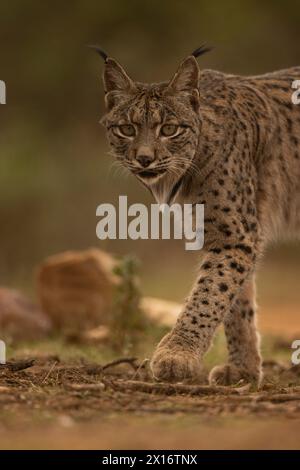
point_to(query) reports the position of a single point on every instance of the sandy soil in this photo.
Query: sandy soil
(129, 432)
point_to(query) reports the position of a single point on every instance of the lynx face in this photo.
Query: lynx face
(153, 130)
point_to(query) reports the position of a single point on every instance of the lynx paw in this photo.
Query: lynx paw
(173, 363)
(229, 374)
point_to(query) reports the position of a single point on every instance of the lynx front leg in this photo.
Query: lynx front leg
(244, 360)
(222, 276)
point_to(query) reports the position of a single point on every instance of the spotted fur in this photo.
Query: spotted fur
(237, 151)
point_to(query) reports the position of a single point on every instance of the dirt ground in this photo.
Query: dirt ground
(57, 395)
(81, 404)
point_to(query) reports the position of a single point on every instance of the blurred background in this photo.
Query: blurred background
(54, 163)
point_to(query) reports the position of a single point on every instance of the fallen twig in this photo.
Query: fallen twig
(142, 365)
(15, 366)
(169, 389)
(86, 387)
(121, 360)
(280, 397)
(49, 372)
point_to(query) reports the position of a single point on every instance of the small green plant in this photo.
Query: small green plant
(127, 321)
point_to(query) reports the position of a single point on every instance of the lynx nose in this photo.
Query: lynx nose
(144, 156)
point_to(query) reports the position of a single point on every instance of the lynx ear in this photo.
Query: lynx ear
(116, 82)
(187, 76)
(115, 78)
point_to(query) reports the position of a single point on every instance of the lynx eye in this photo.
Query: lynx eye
(128, 130)
(168, 130)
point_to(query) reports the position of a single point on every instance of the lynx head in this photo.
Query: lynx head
(153, 129)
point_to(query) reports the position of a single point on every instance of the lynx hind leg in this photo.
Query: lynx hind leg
(244, 362)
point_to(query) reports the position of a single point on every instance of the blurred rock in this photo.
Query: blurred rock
(21, 319)
(163, 312)
(100, 334)
(75, 289)
(96, 335)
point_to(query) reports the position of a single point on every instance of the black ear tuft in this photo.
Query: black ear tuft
(99, 51)
(201, 50)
